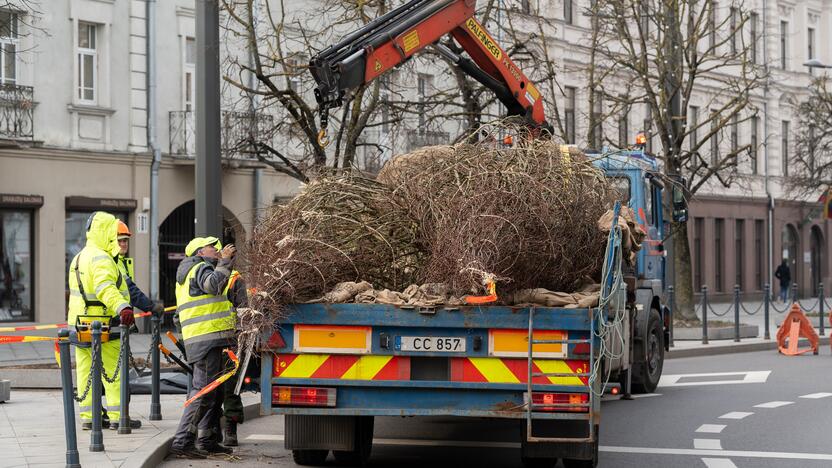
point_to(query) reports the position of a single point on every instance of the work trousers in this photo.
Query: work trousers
(112, 391)
(201, 418)
(232, 405)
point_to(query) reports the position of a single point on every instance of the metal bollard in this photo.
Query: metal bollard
(704, 314)
(96, 436)
(671, 305)
(737, 313)
(794, 292)
(124, 419)
(766, 303)
(155, 405)
(821, 301)
(72, 457)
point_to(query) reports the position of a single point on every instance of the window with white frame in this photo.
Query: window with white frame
(87, 62)
(8, 43)
(189, 86)
(784, 32)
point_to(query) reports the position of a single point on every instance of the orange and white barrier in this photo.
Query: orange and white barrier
(795, 326)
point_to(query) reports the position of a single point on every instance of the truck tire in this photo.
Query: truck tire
(363, 444)
(592, 463)
(310, 457)
(648, 370)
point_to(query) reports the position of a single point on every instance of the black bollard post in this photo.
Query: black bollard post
(124, 419)
(794, 293)
(155, 405)
(737, 313)
(96, 436)
(704, 314)
(671, 306)
(820, 308)
(767, 299)
(72, 458)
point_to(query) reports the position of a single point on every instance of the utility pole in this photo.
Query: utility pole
(208, 169)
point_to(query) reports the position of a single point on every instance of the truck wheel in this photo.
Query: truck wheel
(310, 457)
(529, 462)
(363, 444)
(646, 373)
(572, 463)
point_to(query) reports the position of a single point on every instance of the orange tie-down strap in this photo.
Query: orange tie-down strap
(216, 383)
(491, 297)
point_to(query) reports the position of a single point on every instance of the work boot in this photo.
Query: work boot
(188, 451)
(134, 424)
(215, 448)
(230, 435)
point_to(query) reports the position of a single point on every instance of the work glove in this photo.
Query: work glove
(158, 308)
(126, 316)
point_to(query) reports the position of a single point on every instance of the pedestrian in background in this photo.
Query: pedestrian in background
(208, 325)
(785, 276)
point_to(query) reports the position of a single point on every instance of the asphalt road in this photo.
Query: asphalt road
(766, 410)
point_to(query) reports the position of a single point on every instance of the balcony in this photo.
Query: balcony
(419, 138)
(238, 131)
(16, 113)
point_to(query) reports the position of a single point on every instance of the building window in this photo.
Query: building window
(526, 6)
(16, 278)
(190, 73)
(754, 143)
(293, 69)
(784, 146)
(8, 44)
(739, 258)
(645, 19)
(719, 263)
(568, 8)
(758, 253)
(569, 114)
(87, 62)
(810, 41)
(753, 20)
(698, 233)
(75, 234)
(693, 124)
(734, 24)
(596, 132)
(784, 32)
(715, 138)
(423, 83)
(712, 6)
(624, 128)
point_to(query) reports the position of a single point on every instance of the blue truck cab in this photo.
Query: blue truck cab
(331, 368)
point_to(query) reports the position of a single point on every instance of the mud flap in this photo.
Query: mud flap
(304, 432)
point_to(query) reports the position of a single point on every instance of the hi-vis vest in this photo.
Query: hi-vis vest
(204, 317)
(83, 299)
(125, 265)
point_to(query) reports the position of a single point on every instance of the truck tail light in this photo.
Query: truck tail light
(561, 402)
(303, 396)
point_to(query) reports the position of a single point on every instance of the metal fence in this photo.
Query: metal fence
(238, 132)
(16, 112)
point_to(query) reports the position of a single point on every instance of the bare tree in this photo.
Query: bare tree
(666, 55)
(810, 167)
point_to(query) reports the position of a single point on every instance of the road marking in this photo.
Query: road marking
(735, 415)
(716, 453)
(707, 444)
(815, 396)
(603, 448)
(711, 428)
(719, 463)
(774, 404)
(750, 377)
(647, 395)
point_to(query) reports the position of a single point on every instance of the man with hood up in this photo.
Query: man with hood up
(208, 323)
(97, 288)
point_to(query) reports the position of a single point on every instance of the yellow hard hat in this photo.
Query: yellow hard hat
(200, 242)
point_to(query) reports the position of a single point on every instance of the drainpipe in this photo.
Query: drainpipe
(253, 103)
(154, 147)
(769, 198)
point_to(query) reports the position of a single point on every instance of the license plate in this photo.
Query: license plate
(442, 344)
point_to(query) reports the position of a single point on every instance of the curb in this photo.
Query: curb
(153, 452)
(715, 350)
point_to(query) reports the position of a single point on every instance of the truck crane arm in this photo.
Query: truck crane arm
(391, 39)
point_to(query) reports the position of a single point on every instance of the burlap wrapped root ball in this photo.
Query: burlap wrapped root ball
(338, 228)
(524, 214)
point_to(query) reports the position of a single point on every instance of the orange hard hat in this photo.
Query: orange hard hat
(123, 230)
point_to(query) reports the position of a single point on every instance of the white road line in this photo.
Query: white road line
(646, 395)
(711, 428)
(743, 377)
(707, 444)
(717, 453)
(718, 463)
(735, 415)
(774, 404)
(815, 396)
(266, 437)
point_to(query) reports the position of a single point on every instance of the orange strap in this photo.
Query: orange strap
(216, 383)
(491, 297)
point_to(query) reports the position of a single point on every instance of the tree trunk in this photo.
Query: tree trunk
(684, 277)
